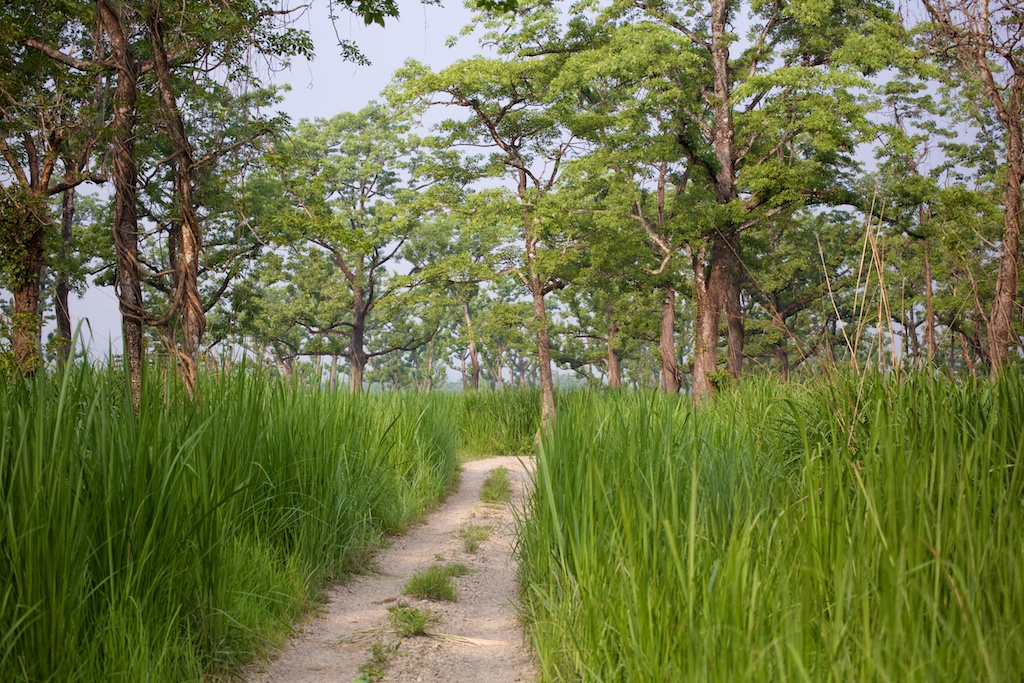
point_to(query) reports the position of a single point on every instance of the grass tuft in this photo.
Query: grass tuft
(376, 666)
(435, 582)
(409, 622)
(497, 488)
(473, 535)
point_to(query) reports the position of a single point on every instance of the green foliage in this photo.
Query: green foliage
(173, 543)
(473, 535)
(494, 422)
(409, 621)
(374, 669)
(22, 217)
(435, 582)
(855, 529)
(497, 488)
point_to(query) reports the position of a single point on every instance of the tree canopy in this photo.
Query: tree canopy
(613, 192)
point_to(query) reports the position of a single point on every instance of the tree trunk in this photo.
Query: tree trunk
(1001, 321)
(669, 364)
(26, 320)
(968, 356)
(614, 362)
(779, 350)
(911, 334)
(547, 383)
(357, 354)
(474, 355)
(333, 384)
(614, 368)
(125, 172)
(710, 294)
(929, 309)
(62, 314)
(782, 360)
(734, 313)
(190, 313)
(499, 366)
(722, 287)
(429, 383)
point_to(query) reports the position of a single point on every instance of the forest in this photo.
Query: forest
(636, 194)
(759, 256)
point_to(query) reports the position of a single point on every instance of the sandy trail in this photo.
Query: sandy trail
(335, 644)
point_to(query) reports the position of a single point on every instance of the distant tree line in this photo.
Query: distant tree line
(667, 194)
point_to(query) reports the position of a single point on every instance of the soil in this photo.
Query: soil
(477, 638)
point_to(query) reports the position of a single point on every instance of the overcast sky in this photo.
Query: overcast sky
(320, 89)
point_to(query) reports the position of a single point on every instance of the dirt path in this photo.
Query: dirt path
(488, 639)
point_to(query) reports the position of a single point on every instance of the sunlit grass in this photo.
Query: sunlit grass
(435, 582)
(409, 622)
(834, 532)
(173, 543)
(493, 422)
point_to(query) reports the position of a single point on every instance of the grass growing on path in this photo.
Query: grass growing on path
(168, 544)
(834, 532)
(496, 488)
(473, 535)
(435, 582)
(409, 622)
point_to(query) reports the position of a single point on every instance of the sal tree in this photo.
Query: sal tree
(50, 121)
(983, 42)
(767, 120)
(349, 214)
(508, 105)
(160, 60)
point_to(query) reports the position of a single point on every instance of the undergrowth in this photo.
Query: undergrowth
(173, 543)
(849, 530)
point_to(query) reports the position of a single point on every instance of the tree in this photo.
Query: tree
(347, 220)
(511, 108)
(984, 42)
(766, 125)
(465, 243)
(212, 43)
(801, 274)
(49, 122)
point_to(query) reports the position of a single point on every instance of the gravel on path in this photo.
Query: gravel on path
(476, 639)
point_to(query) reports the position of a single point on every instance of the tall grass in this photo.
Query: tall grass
(166, 545)
(834, 532)
(493, 422)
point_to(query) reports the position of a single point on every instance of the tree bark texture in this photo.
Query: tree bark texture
(26, 320)
(929, 308)
(474, 355)
(667, 343)
(357, 356)
(1001, 321)
(614, 363)
(186, 302)
(710, 296)
(720, 289)
(62, 290)
(547, 382)
(733, 314)
(125, 171)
